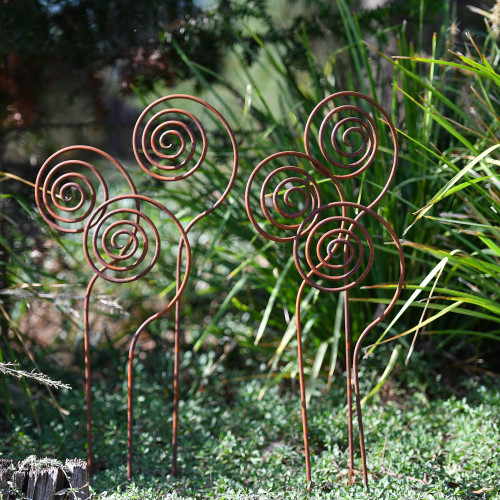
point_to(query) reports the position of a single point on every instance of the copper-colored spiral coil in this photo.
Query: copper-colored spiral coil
(296, 181)
(113, 243)
(65, 196)
(342, 240)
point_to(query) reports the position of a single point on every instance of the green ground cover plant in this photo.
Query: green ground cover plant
(427, 437)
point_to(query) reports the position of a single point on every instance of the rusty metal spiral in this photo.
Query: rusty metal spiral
(171, 144)
(68, 189)
(117, 250)
(339, 254)
(168, 145)
(348, 137)
(165, 146)
(282, 189)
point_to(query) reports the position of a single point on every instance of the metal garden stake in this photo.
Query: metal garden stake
(170, 144)
(332, 249)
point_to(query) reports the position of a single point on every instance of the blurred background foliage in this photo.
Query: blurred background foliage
(80, 72)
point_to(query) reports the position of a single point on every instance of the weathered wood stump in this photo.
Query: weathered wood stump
(43, 479)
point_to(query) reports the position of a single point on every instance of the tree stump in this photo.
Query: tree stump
(44, 479)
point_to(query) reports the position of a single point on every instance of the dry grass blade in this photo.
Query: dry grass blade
(13, 370)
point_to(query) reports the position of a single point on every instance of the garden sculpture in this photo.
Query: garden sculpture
(332, 248)
(170, 144)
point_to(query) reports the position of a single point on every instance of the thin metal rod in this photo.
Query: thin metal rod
(55, 183)
(360, 429)
(130, 395)
(348, 363)
(130, 404)
(99, 218)
(166, 173)
(175, 418)
(88, 375)
(303, 385)
(363, 335)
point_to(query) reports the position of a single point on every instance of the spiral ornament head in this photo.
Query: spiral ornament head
(68, 188)
(170, 143)
(348, 139)
(338, 252)
(122, 243)
(288, 194)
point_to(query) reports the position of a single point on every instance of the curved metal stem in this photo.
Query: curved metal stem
(357, 350)
(130, 398)
(88, 375)
(360, 424)
(175, 419)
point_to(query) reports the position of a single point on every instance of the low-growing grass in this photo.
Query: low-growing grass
(423, 440)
